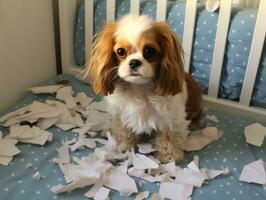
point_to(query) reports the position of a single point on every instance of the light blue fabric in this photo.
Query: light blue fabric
(237, 47)
(16, 182)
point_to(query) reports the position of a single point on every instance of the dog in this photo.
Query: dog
(137, 64)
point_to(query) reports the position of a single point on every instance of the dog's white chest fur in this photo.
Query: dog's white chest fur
(142, 111)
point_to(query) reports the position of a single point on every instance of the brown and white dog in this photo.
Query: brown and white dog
(138, 65)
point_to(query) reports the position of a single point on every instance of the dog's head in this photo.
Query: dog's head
(138, 51)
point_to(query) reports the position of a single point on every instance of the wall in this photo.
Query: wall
(27, 54)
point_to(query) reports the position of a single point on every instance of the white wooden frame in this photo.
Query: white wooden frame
(68, 9)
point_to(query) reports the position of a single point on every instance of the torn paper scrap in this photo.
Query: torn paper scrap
(37, 176)
(101, 106)
(175, 191)
(94, 189)
(65, 94)
(5, 160)
(80, 183)
(143, 162)
(40, 136)
(63, 155)
(102, 194)
(255, 134)
(7, 150)
(124, 184)
(99, 121)
(36, 110)
(49, 89)
(211, 174)
(47, 122)
(17, 112)
(21, 132)
(82, 142)
(199, 139)
(83, 99)
(142, 195)
(254, 172)
(212, 118)
(145, 148)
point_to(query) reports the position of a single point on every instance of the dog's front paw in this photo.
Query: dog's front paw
(124, 147)
(165, 157)
(167, 146)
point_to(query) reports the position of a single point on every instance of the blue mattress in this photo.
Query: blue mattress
(237, 48)
(16, 182)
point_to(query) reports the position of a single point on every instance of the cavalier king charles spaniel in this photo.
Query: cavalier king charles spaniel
(137, 64)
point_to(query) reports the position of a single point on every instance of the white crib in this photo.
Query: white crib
(67, 11)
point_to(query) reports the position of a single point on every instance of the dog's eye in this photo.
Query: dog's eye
(121, 52)
(149, 52)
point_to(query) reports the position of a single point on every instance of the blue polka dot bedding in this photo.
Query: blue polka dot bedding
(231, 150)
(237, 48)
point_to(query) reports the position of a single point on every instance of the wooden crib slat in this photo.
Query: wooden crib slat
(254, 55)
(134, 7)
(189, 24)
(219, 47)
(110, 10)
(67, 10)
(89, 4)
(161, 10)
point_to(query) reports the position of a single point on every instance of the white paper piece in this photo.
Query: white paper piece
(63, 155)
(121, 182)
(212, 118)
(99, 121)
(84, 129)
(143, 162)
(145, 148)
(8, 148)
(37, 176)
(46, 89)
(142, 195)
(29, 165)
(94, 189)
(47, 122)
(190, 177)
(211, 174)
(35, 111)
(199, 139)
(254, 172)
(21, 132)
(175, 191)
(40, 136)
(102, 194)
(255, 134)
(80, 183)
(101, 106)
(83, 99)
(5, 160)
(65, 94)
(88, 142)
(17, 112)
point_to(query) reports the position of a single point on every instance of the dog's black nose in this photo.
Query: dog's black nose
(134, 64)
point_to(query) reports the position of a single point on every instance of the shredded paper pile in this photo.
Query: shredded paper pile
(104, 168)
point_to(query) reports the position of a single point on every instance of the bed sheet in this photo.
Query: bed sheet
(16, 182)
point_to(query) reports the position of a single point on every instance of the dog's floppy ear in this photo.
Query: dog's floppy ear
(102, 61)
(170, 75)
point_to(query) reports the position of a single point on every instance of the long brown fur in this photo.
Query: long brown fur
(103, 60)
(170, 77)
